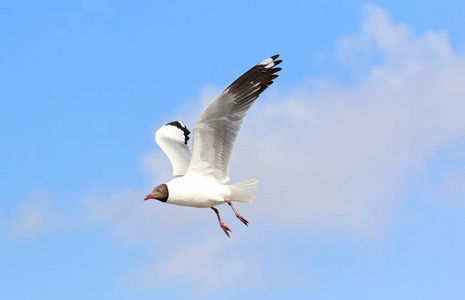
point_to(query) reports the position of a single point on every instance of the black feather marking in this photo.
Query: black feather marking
(181, 126)
(251, 84)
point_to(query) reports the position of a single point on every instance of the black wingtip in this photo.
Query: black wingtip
(272, 77)
(275, 70)
(245, 87)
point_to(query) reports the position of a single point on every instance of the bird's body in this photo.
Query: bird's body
(203, 174)
(197, 191)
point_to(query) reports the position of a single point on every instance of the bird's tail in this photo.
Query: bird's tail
(243, 191)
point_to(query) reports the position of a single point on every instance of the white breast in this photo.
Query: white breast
(196, 191)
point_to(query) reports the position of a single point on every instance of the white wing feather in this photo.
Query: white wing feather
(218, 125)
(173, 141)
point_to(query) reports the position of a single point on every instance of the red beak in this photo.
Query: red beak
(149, 196)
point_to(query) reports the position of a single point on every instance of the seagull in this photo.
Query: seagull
(200, 178)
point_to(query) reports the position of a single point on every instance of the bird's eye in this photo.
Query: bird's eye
(160, 190)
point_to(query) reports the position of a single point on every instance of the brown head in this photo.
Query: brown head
(159, 193)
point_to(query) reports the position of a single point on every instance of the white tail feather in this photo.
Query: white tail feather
(243, 191)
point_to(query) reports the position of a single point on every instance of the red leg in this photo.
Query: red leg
(237, 215)
(224, 227)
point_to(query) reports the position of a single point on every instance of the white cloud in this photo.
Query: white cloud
(395, 44)
(205, 266)
(34, 217)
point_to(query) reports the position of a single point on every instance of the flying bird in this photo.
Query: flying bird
(200, 178)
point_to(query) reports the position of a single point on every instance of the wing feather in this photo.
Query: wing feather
(172, 139)
(218, 125)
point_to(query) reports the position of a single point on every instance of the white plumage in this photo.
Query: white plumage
(172, 140)
(206, 171)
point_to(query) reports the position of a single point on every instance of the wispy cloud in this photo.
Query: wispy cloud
(34, 217)
(206, 266)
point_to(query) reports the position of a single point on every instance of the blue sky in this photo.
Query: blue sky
(359, 146)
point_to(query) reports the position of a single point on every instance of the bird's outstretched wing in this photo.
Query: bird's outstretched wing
(218, 125)
(172, 139)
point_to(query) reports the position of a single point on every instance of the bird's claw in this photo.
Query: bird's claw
(225, 229)
(243, 220)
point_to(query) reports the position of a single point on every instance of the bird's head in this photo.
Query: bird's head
(159, 193)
